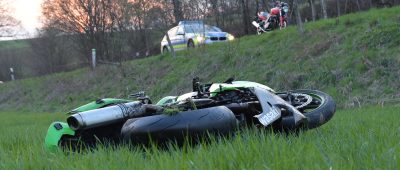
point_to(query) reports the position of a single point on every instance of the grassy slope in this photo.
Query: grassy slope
(354, 139)
(14, 44)
(356, 60)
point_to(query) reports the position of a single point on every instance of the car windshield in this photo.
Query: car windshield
(193, 28)
(212, 29)
(198, 28)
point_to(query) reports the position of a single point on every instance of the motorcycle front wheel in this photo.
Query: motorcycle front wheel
(317, 106)
(284, 25)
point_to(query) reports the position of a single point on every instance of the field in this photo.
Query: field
(365, 138)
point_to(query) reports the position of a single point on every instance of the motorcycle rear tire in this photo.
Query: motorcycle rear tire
(180, 126)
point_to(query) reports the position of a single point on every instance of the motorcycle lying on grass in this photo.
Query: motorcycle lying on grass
(215, 108)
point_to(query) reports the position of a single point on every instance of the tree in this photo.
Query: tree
(178, 13)
(358, 5)
(8, 24)
(338, 8)
(298, 17)
(149, 15)
(313, 13)
(323, 7)
(257, 6)
(92, 22)
(264, 4)
(215, 12)
(52, 50)
(245, 15)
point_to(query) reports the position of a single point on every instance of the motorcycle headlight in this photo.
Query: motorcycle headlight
(285, 9)
(231, 37)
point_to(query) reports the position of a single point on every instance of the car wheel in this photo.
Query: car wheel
(165, 50)
(190, 44)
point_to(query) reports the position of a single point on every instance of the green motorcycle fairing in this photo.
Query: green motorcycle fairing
(54, 133)
(58, 129)
(166, 100)
(221, 87)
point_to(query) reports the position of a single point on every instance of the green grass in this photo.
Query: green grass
(14, 44)
(365, 138)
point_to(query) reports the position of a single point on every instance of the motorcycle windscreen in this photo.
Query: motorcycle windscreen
(270, 112)
(269, 103)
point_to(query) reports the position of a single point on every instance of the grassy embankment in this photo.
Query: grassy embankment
(356, 60)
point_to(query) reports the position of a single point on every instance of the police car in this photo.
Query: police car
(190, 34)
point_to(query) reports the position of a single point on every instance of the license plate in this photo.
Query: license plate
(267, 118)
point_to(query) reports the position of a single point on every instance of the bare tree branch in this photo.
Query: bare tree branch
(8, 24)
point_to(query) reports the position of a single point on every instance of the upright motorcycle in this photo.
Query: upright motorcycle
(213, 108)
(265, 21)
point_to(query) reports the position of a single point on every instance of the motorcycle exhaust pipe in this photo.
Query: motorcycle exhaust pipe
(238, 108)
(256, 24)
(109, 115)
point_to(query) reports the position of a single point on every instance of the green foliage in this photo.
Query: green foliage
(358, 138)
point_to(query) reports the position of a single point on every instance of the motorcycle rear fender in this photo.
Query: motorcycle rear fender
(270, 100)
(54, 134)
(100, 103)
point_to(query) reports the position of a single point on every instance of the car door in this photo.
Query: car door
(179, 39)
(172, 34)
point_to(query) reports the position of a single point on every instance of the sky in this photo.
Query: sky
(28, 12)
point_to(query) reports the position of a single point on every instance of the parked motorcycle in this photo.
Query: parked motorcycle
(214, 108)
(265, 21)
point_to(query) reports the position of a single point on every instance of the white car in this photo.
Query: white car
(189, 34)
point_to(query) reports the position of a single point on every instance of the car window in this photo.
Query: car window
(172, 31)
(193, 28)
(180, 30)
